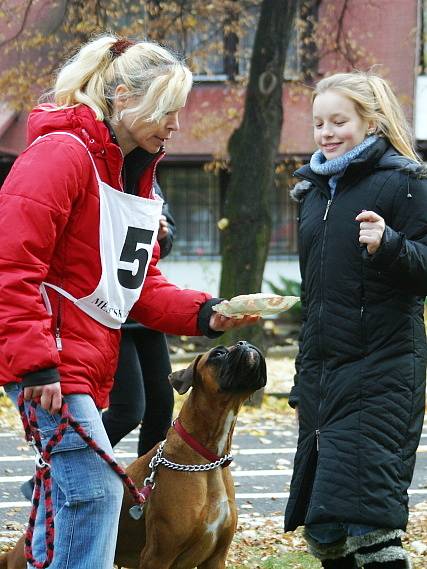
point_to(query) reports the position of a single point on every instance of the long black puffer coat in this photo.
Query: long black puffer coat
(360, 382)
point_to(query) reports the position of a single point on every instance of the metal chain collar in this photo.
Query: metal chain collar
(159, 459)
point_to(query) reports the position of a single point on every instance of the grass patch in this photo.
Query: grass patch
(297, 560)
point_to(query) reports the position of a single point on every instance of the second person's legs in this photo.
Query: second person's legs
(154, 358)
(127, 398)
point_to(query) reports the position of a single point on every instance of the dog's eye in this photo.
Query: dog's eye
(218, 352)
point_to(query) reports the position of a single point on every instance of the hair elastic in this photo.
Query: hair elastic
(120, 46)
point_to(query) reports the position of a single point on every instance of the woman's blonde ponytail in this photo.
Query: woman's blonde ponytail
(156, 81)
(82, 79)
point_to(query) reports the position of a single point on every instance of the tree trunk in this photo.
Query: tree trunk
(253, 150)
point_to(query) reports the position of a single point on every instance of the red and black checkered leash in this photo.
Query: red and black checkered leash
(43, 475)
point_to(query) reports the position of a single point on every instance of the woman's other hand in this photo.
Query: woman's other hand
(163, 228)
(50, 396)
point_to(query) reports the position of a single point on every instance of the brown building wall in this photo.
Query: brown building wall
(383, 32)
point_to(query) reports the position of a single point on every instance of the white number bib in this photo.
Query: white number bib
(128, 231)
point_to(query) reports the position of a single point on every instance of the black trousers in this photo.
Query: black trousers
(141, 390)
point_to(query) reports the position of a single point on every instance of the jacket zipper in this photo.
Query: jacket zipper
(328, 205)
(362, 309)
(323, 373)
(325, 218)
(321, 395)
(317, 430)
(362, 325)
(153, 177)
(58, 338)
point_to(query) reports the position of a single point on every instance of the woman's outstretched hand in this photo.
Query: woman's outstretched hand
(220, 323)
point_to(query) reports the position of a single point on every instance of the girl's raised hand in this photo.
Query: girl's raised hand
(371, 232)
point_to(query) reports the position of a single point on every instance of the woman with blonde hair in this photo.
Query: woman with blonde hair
(361, 368)
(79, 243)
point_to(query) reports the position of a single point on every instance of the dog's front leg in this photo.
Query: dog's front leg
(216, 561)
(155, 558)
(154, 564)
(213, 563)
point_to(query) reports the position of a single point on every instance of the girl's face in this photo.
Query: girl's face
(337, 126)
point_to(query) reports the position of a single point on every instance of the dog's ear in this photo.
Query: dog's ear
(182, 380)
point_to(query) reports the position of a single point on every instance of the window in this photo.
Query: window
(193, 198)
(211, 52)
(284, 229)
(204, 45)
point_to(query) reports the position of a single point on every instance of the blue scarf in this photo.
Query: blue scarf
(320, 165)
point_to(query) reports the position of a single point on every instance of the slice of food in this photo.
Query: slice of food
(258, 304)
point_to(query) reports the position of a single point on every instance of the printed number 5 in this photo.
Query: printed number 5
(130, 253)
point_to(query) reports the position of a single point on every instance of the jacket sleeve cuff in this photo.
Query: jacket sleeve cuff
(205, 314)
(41, 377)
(165, 246)
(294, 396)
(389, 250)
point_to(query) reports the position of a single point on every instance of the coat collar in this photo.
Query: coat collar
(378, 155)
(81, 121)
(100, 141)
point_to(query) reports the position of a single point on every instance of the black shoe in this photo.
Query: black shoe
(396, 564)
(27, 489)
(347, 562)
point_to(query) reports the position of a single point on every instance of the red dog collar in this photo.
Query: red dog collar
(195, 445)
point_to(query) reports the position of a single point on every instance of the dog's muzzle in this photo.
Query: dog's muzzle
(241, 367)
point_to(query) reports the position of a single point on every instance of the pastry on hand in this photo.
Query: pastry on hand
(258, 304)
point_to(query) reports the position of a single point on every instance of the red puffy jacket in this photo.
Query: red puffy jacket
(49, 211)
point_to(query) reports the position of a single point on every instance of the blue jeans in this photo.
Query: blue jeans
(87, 493)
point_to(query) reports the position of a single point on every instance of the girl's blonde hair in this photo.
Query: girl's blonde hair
(376, 103)
(158, 82)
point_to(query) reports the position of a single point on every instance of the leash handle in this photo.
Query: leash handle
(43, 474)
(42, 479)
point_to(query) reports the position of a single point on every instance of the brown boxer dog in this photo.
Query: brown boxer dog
(190, 517)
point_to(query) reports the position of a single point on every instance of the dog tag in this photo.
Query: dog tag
(136, 511)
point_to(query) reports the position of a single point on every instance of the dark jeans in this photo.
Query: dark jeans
(141, 391)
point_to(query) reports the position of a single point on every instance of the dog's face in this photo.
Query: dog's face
(238, 368)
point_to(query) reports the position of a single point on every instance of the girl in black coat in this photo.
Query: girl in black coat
(360, 382)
